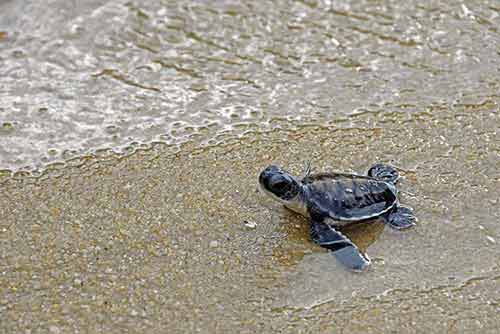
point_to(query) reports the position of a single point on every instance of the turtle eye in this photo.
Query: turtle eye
(279, 185)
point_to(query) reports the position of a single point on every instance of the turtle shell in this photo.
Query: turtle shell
(348, 197)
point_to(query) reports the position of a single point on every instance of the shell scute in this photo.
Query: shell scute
(349, 197)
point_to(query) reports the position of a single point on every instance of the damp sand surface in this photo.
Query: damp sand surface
(185, 242)
(132, 134)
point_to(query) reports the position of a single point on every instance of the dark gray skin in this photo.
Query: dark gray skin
(333, 200)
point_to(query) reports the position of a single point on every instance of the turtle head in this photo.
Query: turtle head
(279, 184)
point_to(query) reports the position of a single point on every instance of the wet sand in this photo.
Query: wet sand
(159, 240)
(175, 237)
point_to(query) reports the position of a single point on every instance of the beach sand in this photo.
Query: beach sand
(166, 241)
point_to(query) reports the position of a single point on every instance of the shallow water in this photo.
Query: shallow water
(80, 76)
(159, 240)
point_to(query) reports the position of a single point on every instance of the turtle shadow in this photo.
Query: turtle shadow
(298, 243)
(365, 233)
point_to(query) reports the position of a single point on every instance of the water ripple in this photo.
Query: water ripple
(80, 77)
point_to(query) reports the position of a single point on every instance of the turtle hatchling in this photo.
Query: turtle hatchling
(334, 200)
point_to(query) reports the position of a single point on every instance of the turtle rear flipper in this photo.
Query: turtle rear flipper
(384, 173)
(343, 248)
(401, 218)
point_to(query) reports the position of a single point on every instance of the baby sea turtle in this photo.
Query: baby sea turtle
(333, 200)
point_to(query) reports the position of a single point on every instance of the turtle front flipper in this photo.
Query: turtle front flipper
(400, 218)
(384, 173)
(343, 248)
